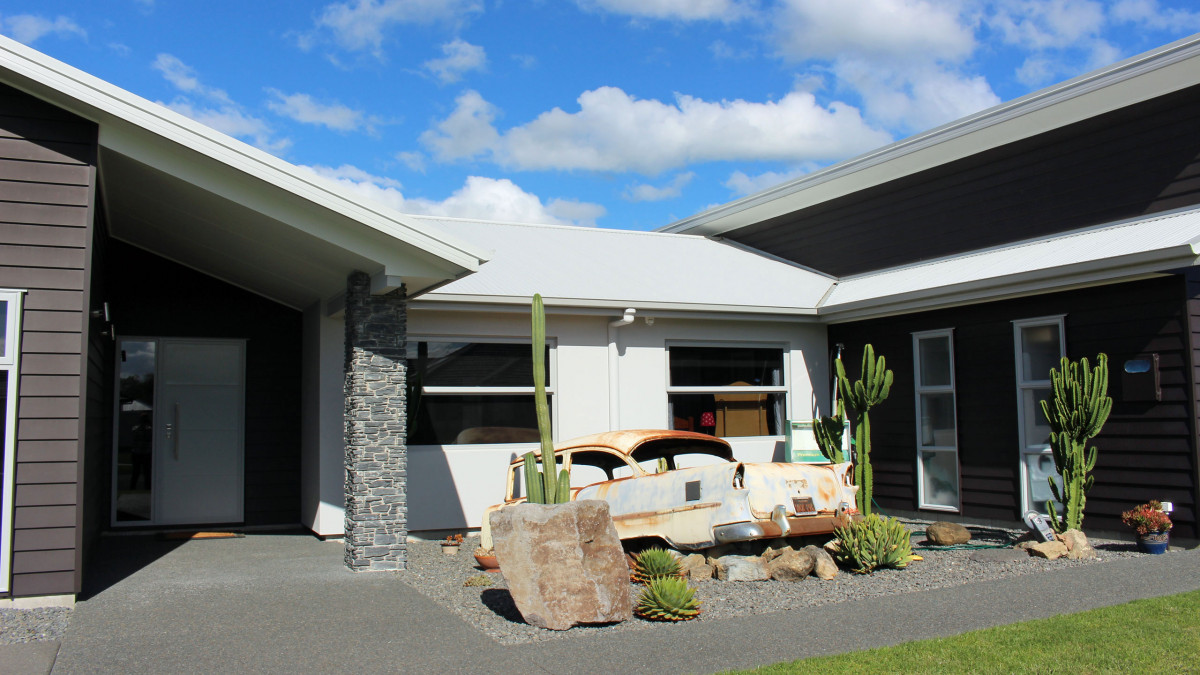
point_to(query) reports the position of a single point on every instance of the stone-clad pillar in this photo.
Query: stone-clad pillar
(376, 456)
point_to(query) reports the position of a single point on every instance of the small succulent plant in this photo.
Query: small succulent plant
(653, 563)
(478, 580)
(668, 599)
(873, 542)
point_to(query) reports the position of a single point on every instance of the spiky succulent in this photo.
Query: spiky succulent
(872, 543)
(653, 563)
(668, 599)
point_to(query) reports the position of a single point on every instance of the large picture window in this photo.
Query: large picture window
(1039, 345)
(10, 350)
(726, 391)
(937, 427)
(464, 393)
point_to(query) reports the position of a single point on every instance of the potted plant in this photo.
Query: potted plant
(451, 543)
(1152, 524)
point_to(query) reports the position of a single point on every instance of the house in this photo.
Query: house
(171, 295)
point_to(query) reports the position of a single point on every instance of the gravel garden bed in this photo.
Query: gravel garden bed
(441, 578)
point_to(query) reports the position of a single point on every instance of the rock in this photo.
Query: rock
(824, 567)
(696, 567)
(943, 533)
(773, 553)
(741, 568)
(1077, 545)
(1027, 544)
(718, 551)
(1050, 550)
(563, 563)
(791, 565)
(832, 546)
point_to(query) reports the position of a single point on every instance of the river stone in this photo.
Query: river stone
(943, 533)
(791, 565)
(563, 563)
(1050, 550)
(824, 566)
(772, 553)
(741, 568)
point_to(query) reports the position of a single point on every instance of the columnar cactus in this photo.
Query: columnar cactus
(548, 487)
(872, 387)
(1077, 409)
(829, 430)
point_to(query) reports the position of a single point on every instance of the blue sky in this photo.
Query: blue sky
(615, 113)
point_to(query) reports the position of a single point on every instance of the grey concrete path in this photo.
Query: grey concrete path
(284, 604)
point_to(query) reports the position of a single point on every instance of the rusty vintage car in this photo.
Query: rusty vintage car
(687, 489)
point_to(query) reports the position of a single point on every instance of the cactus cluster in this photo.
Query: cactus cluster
(873, 543)
(549, 486)
(829, 431)
(1077, 409)
(652, 564)
(668, 599)
(872, 387)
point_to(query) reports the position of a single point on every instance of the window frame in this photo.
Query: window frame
(551, 382)
(1023, 385)
(10, 361)
(785, 388)
(920, 389)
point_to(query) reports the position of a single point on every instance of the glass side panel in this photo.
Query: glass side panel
(454, 419)
(726, 366)
(1036, 431)
(1040, 351)
(1038, 468)
(472, 364)
(935, 361)
(939, 473)
(135, 430)
(728, 414)
(937, 420)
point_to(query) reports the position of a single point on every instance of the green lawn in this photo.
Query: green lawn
(1159, 635)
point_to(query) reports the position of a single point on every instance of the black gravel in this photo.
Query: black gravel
(33, 625)
(440, 577)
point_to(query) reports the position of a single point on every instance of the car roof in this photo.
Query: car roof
(628, 441)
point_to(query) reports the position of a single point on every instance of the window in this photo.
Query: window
(10, 349)
(937, 428)
(465, 393)
(1039, 345)
(726, 391)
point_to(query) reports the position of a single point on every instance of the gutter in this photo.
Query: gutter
(614, 364)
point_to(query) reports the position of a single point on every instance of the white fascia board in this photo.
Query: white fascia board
(107, 104)
(1140, 78)
(588, 306)
(1051, 280)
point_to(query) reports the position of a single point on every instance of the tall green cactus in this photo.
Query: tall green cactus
(1077, 409)
(872, 387)
(548, 487)
(829, 430)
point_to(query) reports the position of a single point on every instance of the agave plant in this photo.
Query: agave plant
(668, 599)
(653, 563)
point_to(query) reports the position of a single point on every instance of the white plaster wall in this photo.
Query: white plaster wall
(449, 486)
(322, 463)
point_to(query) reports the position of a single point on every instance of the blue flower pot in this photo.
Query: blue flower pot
(1153, 542)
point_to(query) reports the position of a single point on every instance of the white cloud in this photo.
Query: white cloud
(218, 110)
(303, 108)
(1148, 14)
(479, 197)
(359, 25)
(461, 57)
(685, 10)
(742, 184)
(1047, 24)
(29, 28)
(879, 30)
(613, 131)
(415, 161)
(642, 192)
(916, 98)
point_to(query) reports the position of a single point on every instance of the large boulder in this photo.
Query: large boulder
(563, 563)
(823, 564)
(943, 533)
(741, 568)
(791, 565)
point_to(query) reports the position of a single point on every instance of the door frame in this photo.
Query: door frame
(154, 469)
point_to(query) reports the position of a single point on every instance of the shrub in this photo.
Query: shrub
(668, 599)
(872, 543)
(653, 563)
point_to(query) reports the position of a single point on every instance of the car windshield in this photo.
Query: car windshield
(681, 453)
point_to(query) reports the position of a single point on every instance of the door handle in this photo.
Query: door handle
(178, 433)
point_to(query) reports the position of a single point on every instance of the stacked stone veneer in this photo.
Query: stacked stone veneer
(376, 456)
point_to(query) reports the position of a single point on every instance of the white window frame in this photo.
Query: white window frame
(1023, 385)
(920, 389)
(551, 377)
(9, 361)
(784, 389)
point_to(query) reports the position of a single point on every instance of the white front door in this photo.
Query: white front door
(192, 470)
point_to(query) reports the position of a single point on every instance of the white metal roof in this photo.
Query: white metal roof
(1122, 250)
(1159, 71)
(590, 267)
